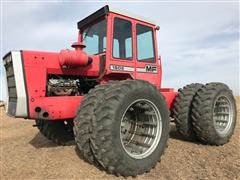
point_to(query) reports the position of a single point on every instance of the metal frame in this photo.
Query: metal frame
(105, 11)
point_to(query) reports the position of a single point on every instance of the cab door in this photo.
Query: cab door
(121, 59)
(147, 65)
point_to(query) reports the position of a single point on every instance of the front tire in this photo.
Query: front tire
(58, 131)
(214, 114)
(86, 117)
(132, 128)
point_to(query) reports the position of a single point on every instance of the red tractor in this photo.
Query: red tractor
(107, 95)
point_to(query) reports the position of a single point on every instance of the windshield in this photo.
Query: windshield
(94, 37)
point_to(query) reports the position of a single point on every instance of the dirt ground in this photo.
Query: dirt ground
(26, 154)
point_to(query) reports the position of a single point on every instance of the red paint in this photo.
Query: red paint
(75, 58)
(169, 97)
(38, 65)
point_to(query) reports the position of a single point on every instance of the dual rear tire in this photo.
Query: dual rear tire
(205, 112)
(182, 110)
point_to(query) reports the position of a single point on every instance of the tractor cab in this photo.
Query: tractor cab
(128, 43)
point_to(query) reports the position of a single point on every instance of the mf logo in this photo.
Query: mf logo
(150, 68)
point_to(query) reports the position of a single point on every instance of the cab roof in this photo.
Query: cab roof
(104, 11)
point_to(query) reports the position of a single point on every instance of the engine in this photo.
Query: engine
(68, 86)
(62, 87)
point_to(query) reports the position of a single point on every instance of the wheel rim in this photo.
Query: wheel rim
(222, 115)
(141, 128)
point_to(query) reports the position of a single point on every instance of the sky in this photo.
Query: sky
(198, 40)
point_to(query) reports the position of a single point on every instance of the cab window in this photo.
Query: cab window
(122, 39)
(94, 37)
(145, 43)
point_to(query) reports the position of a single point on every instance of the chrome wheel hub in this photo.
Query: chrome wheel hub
(222, 115)
(141, 129)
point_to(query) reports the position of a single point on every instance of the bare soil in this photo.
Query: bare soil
(26, 154)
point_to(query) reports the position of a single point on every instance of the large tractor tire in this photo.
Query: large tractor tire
(84, 119)
(181, 111)
(60, 132)
(214, 114)
(131, 128)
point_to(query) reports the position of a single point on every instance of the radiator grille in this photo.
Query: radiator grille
(11, 84)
